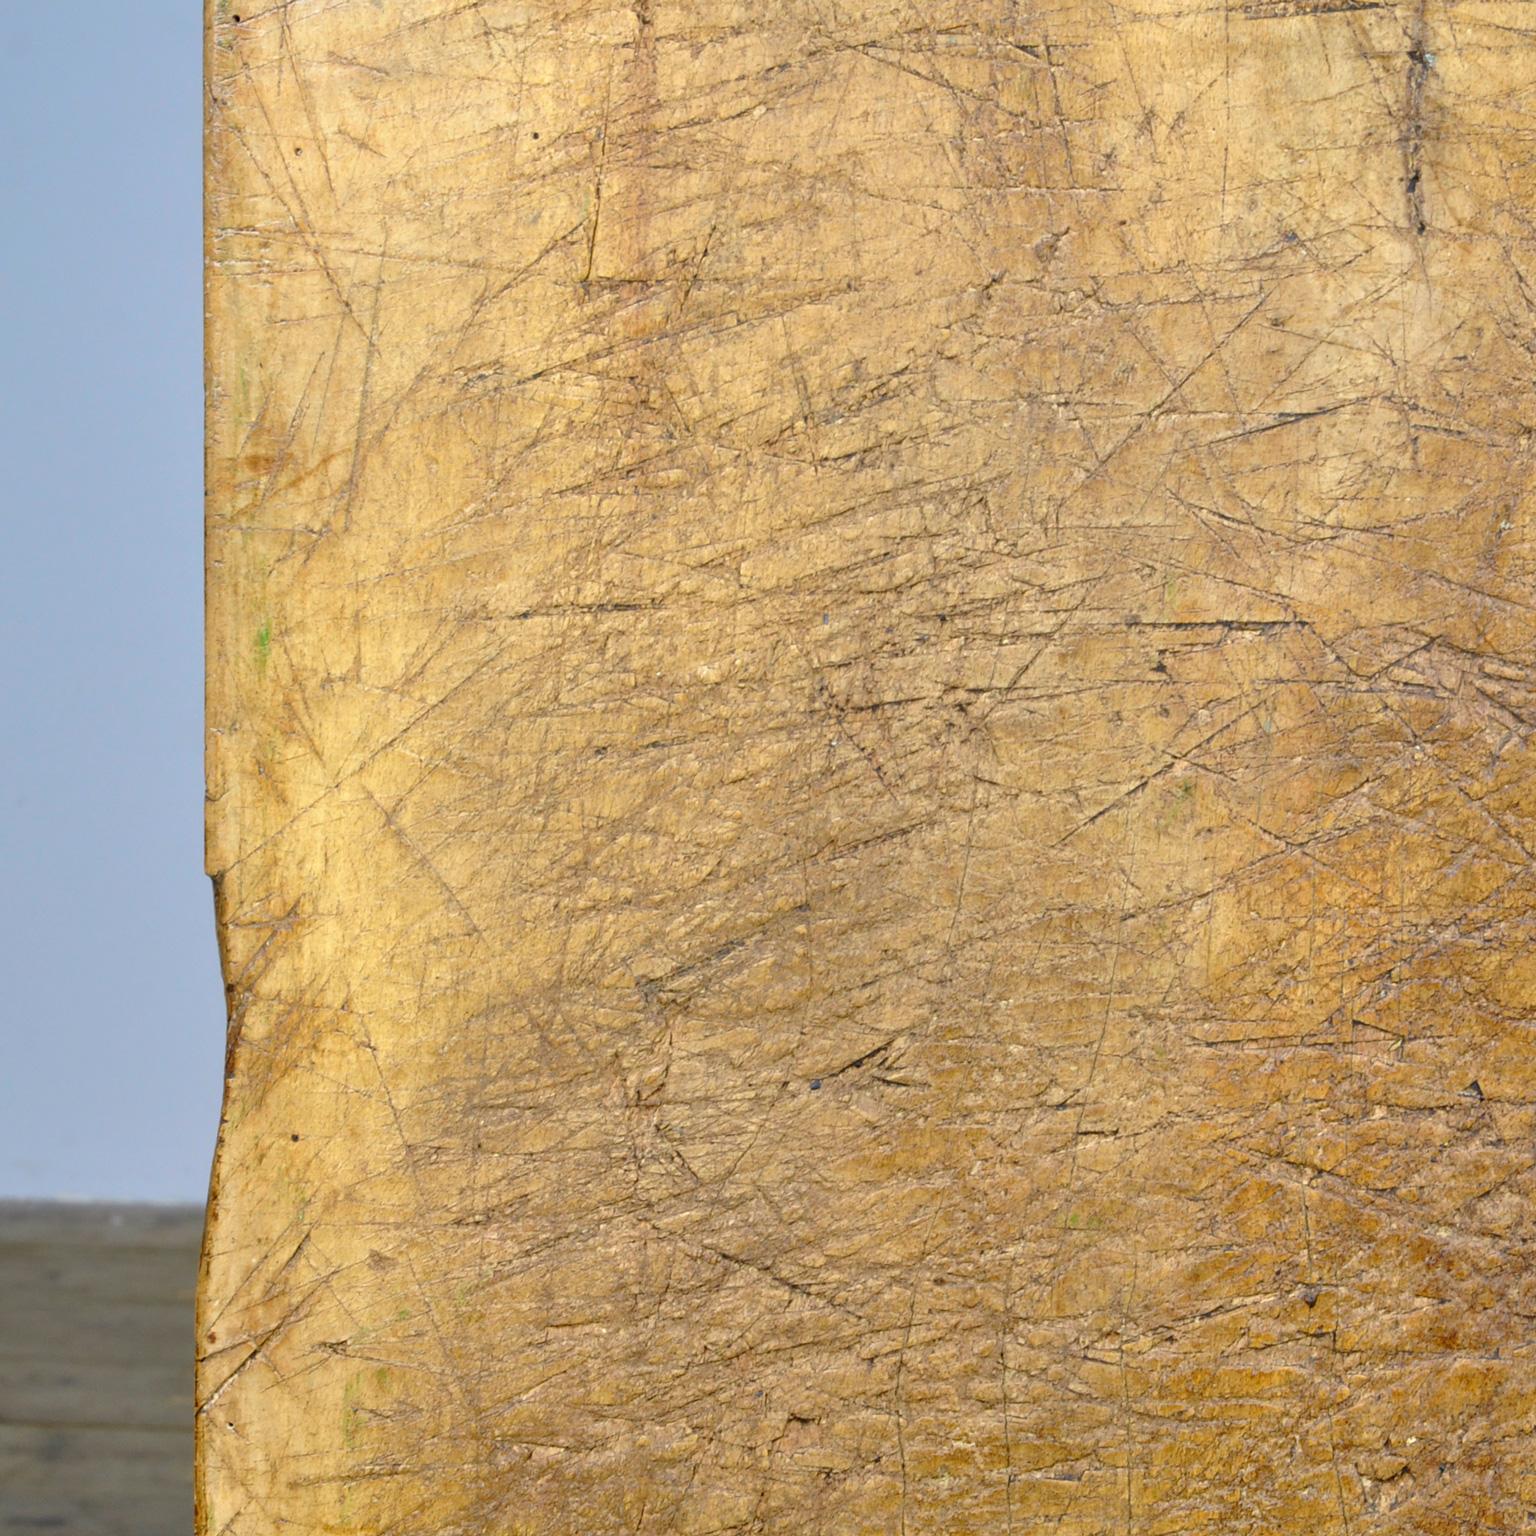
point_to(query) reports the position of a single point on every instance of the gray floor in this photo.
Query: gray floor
(96, 1342)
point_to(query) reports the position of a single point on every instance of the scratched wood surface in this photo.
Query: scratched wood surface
(96, 1336)
(870, 769)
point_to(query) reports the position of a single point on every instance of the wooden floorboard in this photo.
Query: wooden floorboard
(96, 1345)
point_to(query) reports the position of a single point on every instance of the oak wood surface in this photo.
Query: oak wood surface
(870, 780)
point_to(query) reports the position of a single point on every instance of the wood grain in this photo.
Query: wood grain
(870, 769)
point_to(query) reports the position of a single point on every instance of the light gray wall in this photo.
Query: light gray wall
(111, 1019)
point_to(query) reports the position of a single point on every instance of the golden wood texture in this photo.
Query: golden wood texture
(870, 768)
